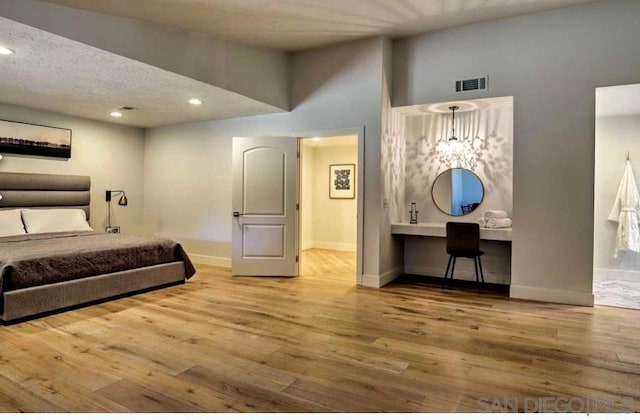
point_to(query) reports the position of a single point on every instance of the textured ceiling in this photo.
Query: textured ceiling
(56, 74)
(300, 24)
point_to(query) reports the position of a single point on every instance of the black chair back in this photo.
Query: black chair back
(463, 238)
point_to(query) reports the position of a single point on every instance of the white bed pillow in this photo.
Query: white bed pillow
(11, 223)
(55, 220)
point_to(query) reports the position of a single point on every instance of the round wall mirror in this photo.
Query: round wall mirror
(457, 191)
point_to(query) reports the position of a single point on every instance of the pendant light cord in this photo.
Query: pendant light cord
(453, 120)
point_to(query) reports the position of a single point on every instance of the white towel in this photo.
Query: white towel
(482, 222)
(503, 222)
(495, 214)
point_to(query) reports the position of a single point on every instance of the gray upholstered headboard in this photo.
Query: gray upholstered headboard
(44, 191)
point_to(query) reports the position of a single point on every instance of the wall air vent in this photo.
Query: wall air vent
(477, 83)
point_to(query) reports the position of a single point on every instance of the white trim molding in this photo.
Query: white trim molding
(209, 260)
(369, 280)
(569, 297)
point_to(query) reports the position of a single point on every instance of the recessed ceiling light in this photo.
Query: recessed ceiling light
(195, 101)
(116, 114)
(316, 139)
(6, 51)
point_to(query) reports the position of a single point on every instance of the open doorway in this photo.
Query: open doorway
(616, 255)
(329, 207)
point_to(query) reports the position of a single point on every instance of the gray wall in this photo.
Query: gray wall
(188, 167)
(112, 155)
(392, 158)
(551, 63)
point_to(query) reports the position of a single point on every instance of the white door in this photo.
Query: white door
(265, 191)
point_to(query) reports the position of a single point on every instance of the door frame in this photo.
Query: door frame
(354, 131)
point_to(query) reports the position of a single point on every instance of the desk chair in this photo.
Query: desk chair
(463, 240)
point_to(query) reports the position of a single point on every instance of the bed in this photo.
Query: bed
(45, 272)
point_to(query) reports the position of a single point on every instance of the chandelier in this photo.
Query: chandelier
(454, 152)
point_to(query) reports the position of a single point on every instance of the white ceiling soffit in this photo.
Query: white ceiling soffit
(301, 24)
(618, 100)
(53, 73)
(465, 105)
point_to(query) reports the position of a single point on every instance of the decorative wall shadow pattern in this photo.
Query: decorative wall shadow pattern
(394, 145)
(393, 163)
(492, 133)
(392, 168)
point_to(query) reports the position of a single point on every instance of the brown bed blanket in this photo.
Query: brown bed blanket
(37, 259)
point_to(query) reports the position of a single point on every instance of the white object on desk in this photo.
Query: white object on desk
(495, 214)
(498, 223)
(439, 230)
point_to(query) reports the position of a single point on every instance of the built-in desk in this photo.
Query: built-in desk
(425, 252)
(439, 230)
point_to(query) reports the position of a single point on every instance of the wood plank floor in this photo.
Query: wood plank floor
(316, 343)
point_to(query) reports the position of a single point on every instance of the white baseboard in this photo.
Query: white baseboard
(608, 273)
(568, 297)
(334, 246)
(369, 280)
(494, 278)
(209, 260)
(389, 276)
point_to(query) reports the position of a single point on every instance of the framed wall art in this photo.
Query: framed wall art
(342, 182)
(34, 139)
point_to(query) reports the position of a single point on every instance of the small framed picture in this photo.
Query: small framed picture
(342, 181)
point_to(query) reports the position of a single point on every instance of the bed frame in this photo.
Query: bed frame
(20, 190)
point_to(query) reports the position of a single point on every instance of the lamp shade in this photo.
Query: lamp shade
(112, 193)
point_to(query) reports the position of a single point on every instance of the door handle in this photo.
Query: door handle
(237, 214)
